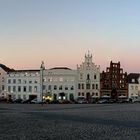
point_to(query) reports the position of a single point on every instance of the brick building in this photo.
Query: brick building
(114, 82)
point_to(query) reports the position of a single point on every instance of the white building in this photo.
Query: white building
(3, 72)
(24, 84)
(133, 85)
(88, 78)
(58, 82)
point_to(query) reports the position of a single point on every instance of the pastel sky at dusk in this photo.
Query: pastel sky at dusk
(60, 32)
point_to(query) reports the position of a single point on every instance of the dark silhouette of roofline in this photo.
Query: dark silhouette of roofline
(5, 68)
(65, 68)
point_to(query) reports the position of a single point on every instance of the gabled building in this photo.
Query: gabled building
(133, 85)
(88, 79)
(3, 72)
(114, 82)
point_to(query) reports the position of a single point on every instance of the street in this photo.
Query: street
(70, 122)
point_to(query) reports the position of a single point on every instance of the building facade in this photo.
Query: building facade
(23, 84)
(60, 83)
(3, 73)
(133, 85)
(56, 83)
(88, 79)
(114, 82)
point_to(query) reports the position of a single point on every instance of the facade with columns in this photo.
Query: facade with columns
(58, 82)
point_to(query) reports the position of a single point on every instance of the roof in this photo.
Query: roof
(26, 70)
(5, 68)
(65, 68)
(134, 76)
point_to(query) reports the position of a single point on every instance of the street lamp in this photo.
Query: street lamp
(42, 68)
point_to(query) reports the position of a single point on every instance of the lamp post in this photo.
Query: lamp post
(42, 68)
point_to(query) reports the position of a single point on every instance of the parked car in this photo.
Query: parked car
(17, 101)
(103, 101)
(81, 100)
(35, 101)
(26, 101)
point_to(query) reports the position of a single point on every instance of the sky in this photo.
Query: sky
(60, 32)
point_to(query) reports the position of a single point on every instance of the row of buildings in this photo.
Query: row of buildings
(64, 83)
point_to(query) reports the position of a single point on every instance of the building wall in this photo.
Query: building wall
(60, 80)
(3, 93)
(114, 81)
(133, 90)
(23, 84)
(88, 78)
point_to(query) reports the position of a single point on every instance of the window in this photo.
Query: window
(24, 81)
(30, 82)
(3, 87)
(49, 87)
(96, 94)
(82, 86)
(96, 86)
(35, 82)
(14, 88)
(79, 86)
(44, 87)
(132, 87)
(66, 88)
(19, 88)
(60, 87)
(30, 88)
(2, 79)
(88, 77)
(14, 81)
(79, 94)
(93, 86)
(9, 88)
(24, 89)
(72, 88)
(88, 86)
(94, 76)
(35, 88)
(81, 76)
(9, 81)
(19, 81)
(83, 94)
(55, 87)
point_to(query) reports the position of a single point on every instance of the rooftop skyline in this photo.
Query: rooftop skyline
(60, 32)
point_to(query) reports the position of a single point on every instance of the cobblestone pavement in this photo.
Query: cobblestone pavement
(70, 122)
